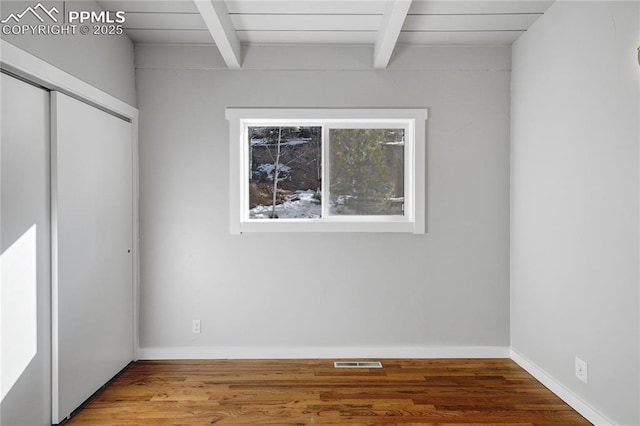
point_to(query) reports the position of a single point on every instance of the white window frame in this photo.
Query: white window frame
(412, 120)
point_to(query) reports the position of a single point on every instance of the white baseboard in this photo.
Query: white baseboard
(323, 352)
(561, 391)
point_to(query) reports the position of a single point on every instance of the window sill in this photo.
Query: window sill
(311, 225)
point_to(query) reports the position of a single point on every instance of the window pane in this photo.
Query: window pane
(285, 172)
(366, 171)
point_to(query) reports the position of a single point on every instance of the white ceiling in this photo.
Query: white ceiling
(379, 23)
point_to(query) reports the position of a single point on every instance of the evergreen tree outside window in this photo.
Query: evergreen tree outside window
(366, 171)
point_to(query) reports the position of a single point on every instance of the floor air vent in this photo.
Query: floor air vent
(357, 364)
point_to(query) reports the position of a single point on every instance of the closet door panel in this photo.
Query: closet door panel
(25, 298)
(92, 240)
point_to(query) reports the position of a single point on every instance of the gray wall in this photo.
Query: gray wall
(104, 61)
(283, 291)
(574, 205)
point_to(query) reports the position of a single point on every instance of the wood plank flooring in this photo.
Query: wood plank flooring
(310, 392)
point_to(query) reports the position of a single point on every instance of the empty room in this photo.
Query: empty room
(345, 212)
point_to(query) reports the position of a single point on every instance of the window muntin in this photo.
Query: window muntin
(390, 196)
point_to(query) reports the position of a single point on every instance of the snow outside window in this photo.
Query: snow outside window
(327, 170)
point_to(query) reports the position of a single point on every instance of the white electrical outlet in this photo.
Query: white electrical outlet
(582, 370)
(195, 326)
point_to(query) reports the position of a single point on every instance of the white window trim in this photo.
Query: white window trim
(413, 220)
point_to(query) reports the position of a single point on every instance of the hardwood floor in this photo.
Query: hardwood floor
(308, 392)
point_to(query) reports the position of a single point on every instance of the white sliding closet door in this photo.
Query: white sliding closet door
(25, 300)
(92, 236)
